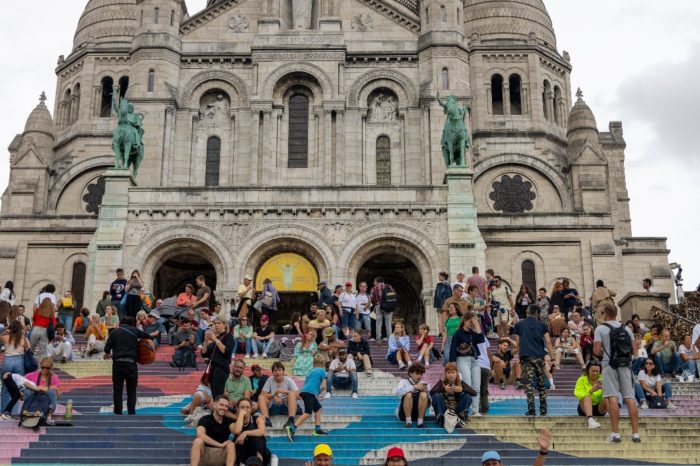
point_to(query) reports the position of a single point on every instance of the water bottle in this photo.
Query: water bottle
(274, 460)
(68, 416)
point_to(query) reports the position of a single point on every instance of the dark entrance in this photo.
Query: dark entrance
(179, 270)
(403, 275)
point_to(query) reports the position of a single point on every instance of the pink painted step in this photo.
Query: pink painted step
(13, 448)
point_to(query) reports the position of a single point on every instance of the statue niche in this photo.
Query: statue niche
(382, 107)
(301, 14)
(214, 107)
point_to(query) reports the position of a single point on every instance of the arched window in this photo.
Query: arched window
(443, 13)
(383, 161)
(172, 17)
(66, 108)
(123, 85)
(459, 16)
(77, 285)
(516, 105)
(497, 94)
(156, 15)
(298, 143)
(556, 97)
(151, 80)
(546, 89)
(106, 104)
(445, 79)
(211, 177)
(528, 271)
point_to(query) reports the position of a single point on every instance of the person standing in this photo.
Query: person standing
(218, 346)
(465, 351)
(381, 308)
(122, 348)
(325, 297)
(133, 294)
(478, 281)
(616, 357)
(16, 344)
(364, 309)
(600, 298)
(270, 298)
(443, 290)
(203, 294)
(246, 292)
(8, 293)
(569, 297)
(534, 338)
(461, 280)
(116, 291)
(502, 303)
(348, 309)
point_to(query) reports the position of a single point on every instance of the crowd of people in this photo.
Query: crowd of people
(619, 362)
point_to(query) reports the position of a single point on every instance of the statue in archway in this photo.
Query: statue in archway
(455, 138)
(301, 13)
(127, 139)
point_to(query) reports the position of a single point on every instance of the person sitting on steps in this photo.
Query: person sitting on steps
(201, 398)
(414, 394)
(399, 351)
(589, 392)
(359, 352)
(451, 393)
(183, 340)
(504, 363)
(279, 396)
(342, 373)
(425, 343)
(213, 445)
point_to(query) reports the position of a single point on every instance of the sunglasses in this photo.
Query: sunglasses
(48, 368)
(648, 363)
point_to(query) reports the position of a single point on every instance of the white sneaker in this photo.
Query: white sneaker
(6, 417)
(328, 396)
(402, 366)
(643, 405)
(247, 356)
(256, 356)
(670, 405)
(265, 356)
(354, 395)
(593, 424)
(613, 438)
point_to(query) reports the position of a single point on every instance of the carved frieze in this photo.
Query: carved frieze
(362, 22)
(238, 23)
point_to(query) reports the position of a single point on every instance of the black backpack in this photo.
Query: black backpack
(620, 347)
(388, 303)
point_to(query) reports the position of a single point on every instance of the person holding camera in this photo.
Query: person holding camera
(464, 350)
(183, 340)
(218, 347)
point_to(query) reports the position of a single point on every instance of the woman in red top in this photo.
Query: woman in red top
(40, 322)
(425, 345)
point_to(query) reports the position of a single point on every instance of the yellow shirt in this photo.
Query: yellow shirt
(101, 335)
(244, 289)
(583, 389)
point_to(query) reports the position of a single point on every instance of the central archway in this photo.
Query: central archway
(180, 269)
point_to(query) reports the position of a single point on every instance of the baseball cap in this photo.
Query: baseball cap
(490, 455)
(264, 318)
(247, 277)
(348, 283)
(329, 331)
(255, 367)
(342, 350)
(322, 449)
(395, 452)
(155, 314)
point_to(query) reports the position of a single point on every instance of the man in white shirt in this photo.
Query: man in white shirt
(363, 305)
(278, 396)
(461, 280)
(689, 355)
(342, 373)
(348, 308)
(415, 396)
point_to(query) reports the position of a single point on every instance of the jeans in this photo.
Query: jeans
(13, 365)
(348, 320)
(641, 395)
(263, 346)
(668, 368)
(484, 391)
(690, 366)
(448, 345)
(128, 372)
(342, 382)
(364, 322)
(382, 317)
(637, 365)
(248, 345)
(464, 400)
(39, 340)
(67, 320)
(200, 336)
(470, 372)
(30, 394)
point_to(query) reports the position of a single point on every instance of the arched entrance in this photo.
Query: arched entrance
(403, 275)
(179, 269)
(295, 278)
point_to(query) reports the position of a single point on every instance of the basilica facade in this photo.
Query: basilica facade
(301, 138)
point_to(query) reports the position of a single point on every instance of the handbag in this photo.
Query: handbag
(452, 421)
(436, 353)
(51, 329)
(30, 364)
(465, 350)
(267, 299)
(657, 402)
(207, 373)
(258, 305)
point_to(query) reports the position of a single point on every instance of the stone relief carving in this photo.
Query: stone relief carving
(215, 108)
(238, 23)
(383, 108)
(93, 196)
(137, 232)
(362, 22)
(392, 75)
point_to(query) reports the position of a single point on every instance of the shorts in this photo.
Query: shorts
(568, 351)
(596, 412)
(414, 409)
(282, 410)
(213, 457)
(502, 317)
(618, 383)
(311, 403)
(391, 357)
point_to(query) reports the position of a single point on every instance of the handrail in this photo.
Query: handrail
(674, 315)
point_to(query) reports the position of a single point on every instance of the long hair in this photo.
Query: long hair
(10, 286)
(5, 309)
(46, 308)
(14, 313)
(451, 366)
(557, 286)
(655, 370)
(16, 333)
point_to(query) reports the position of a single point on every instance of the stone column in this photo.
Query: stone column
(106, 249)
(466, 245)
(506, 98)
(327, 147)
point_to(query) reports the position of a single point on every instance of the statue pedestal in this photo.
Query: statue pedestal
(466, 245)
(105, 251)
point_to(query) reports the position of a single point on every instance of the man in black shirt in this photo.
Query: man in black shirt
(212, 446)
(116, 290)
(534, 345)
(122, 343)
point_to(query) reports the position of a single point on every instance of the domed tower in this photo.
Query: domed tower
(31, 157)
(107, 23)
(509, 21)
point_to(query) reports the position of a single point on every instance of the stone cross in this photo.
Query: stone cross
(42, 97)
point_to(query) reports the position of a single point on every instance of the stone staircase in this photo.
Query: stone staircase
(361, 430)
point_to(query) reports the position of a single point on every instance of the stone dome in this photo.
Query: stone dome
(107, 22)
(40, 120)
(581, 119)
(509, 20)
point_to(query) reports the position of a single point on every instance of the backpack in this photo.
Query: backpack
(620, 347)
(388, 302)
(34, 414)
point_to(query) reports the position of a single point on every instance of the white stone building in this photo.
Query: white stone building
(311, 127)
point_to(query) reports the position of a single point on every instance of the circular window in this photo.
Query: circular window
(512, 195)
